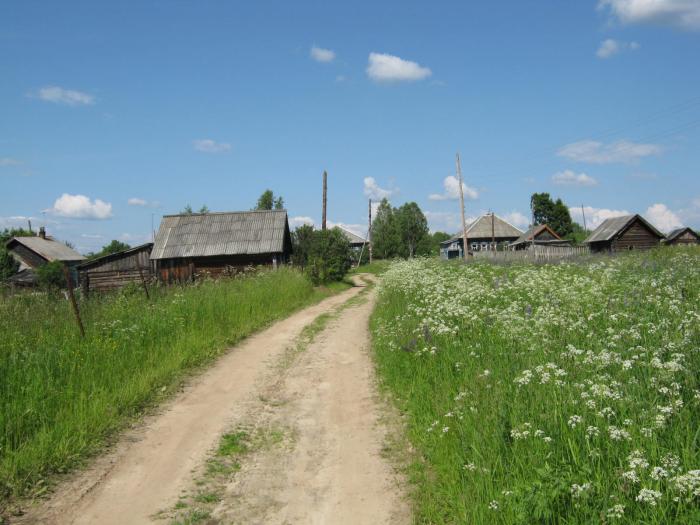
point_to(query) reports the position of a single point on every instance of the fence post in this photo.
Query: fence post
(143, 281)
(71, 295)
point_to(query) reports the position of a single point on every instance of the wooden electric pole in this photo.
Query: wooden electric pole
(584, 218)
(369, 232)
(325, 191)
(465, 248)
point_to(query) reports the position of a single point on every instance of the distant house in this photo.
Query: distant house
(33, 252)
(115, 270)
(682, 236)
(488, 232)
(356, 242)
(629, 232)
(217, 244)
(541, 234)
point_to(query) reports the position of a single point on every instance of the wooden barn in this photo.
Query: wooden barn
(356, 242)
(487, 233)
(217, 244)
(115, 270)
(32, 252)
(682, 237)
(541, 235)
(629, 232)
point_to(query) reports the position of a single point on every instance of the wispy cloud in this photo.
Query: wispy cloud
(389, 68)
(610, 47)
(517, 219)
(569, 178)
(7, 161)
(373, 191)
(211, 146)
(451, 190)
(295, 222)
(322, 55)
(138, 201)
(80, 207)
(595, 152)
(683, 14)
(67, 97)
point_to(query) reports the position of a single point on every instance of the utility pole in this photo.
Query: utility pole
(461, 207)
(325, 191)
(493, 232)
(369, 232)
(584, 218)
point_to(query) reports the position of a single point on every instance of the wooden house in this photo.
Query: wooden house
(115, 270)
(356, 242)
(541, 235)
(216, 244)
(629, 232)
(488, 232)
(33, 252)
(682, 237)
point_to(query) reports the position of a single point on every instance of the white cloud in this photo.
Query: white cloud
(610, 47)
(449, 222)
(663, 218)
(691, 214)
(517, 219)
(684, 14)
(569, 178)
(7, 161)
(136, 201)
(595, 152)
(68, 97)
(451, 185)
(373, 191)
(80, 207)
(594, 216)
(299, 221)
(390, 68)
(210, 146)
(322, 55)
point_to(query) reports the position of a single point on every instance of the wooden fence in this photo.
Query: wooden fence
(535, 253)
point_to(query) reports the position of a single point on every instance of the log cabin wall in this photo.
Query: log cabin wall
(116, 270)
(636, 237)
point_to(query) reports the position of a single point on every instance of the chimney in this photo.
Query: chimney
(42, 232)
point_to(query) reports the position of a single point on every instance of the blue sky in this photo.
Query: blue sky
(112, 114)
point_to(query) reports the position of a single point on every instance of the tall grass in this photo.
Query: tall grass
(61, 395)
(548, 394)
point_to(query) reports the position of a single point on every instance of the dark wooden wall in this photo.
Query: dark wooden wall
(685, 239)
(117, 272)
(31, 259)
(635, 237)
(544, 235)
(190, 268)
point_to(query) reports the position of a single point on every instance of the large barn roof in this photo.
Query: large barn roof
(481, 229)
(613, 226)
(49, 249)
(227, 233)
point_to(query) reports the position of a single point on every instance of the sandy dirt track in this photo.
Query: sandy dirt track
(332, 473)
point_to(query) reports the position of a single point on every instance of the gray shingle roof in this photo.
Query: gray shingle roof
(678, 231)
(352, 237)
(228, 233)
(481, 229)
(534, 231)
(48, 248)
(611, 227)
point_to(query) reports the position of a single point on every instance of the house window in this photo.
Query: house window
(475, 246)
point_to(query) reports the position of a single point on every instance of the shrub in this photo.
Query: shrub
(329, 256)
(50, 275)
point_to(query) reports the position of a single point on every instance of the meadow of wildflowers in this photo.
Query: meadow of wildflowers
(61, 395)
(548, 394)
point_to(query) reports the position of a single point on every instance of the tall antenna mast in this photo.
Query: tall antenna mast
(325, 191)
(461, 207)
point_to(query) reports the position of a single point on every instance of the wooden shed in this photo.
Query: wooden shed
(682, 237)
(541, 235)
(628, 232)
(217, 244)
(115, 270)
(487, 233)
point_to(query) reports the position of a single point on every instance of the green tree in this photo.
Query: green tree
(8, 264)
(267, 201)
(431, 243)
(329, 256)
(555, 214)
(302, 240)
(50, 275)
(204, 209)
(279, 203)
(412, 226)
(187, 210)
(113, 247)
(386, 238)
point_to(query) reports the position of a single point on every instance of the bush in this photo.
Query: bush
(50, 275)
(329, 256)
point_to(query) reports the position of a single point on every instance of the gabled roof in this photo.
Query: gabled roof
(532, 233)
(352, 237)
(481, 229)
(48, 248)
(614, 226)
(116, 255)
(227, 233)
(680, 231)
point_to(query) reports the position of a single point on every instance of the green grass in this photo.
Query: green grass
(378, 267)
(547, 394)
(61, 396)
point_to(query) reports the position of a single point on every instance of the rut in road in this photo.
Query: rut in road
(333, 472)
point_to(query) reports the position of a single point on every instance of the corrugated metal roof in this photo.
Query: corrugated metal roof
(352, 237)
(227, 233)
(481, 228)
(609, 228)
(48, 248)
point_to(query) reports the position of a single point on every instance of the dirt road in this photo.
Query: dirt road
(331, 472)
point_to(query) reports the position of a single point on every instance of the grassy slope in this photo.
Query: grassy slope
(614, 342)
(60, 396)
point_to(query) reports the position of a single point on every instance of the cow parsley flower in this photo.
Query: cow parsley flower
(648, 496)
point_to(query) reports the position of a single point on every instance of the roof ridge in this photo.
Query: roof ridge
(222, 213)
